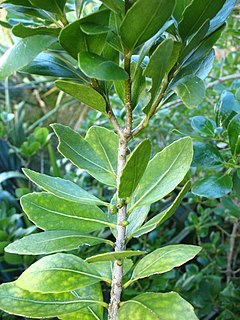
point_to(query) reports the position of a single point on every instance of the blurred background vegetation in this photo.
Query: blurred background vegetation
(28, 104)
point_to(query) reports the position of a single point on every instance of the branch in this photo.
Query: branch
(223, 79)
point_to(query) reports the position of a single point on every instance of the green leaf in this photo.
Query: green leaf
(105, 268)
(155, 306)
(92, 312)
(58, 273)
(163, 260)
(234, 135)
(115, 5)
(111, 256)
(96, 23)
(206, 155)
(93, 153)
(162, 216)
(56, 6)
(226, 109)
(203, 125)
(52, 241)
(196, 14)
(143, 20)
(22, 31)
(36, 305)
(61, 188)
(164, 172)
(46, 64)
(10, 175)
(134, 169)
(22, 53)
(72, 33)
(95, 66)
(190, 90)
(179, 8)
(52, 213)
(86, 95)
(222, 15)
(214, 186)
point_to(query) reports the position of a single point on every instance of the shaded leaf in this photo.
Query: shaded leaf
(22, 31)
(206, 155)
(51, 213)
(22, 53)
(234, 135)
(137, 27)
(95, 66)
(134, 169)
(115, 5)
(214, 186)
(51, 242)
(61, 188)
(96, 23)
(203, 125)
(190, 90)
(56, 6)
(86, 95)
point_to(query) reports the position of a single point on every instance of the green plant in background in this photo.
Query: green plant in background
(146, 53)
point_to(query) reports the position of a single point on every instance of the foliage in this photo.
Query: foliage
(116, 47)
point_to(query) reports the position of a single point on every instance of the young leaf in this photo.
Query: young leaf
(196, 14)
(61, 188)
(164, 172)
(163, 260)
(36, 305)
(134, 169)
(47, 275)
(86, 95)
(95, 66)
(46, 64)
(55, 6)
(92, 312)
(191, 91)
(214, 186)
(52, 241)
(52, 213)
(162, 216)
(155, 306)
(143, 20)
(111, 256)
(22, 53)
(82, 153)
(234, 135)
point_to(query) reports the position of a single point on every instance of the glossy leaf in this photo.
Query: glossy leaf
(61, 188)
(137, 27)
(164, 172)
(96, 23)
(190, 90)
(52, 242)
(214, 186)
(206, 155)
(47, 274)
(111, 256)
(22, 31)
(134, 169)
(52, 213)
(163, 260)
(226, 109)
(234, 135)
(56, 6)
(46, 64)
(155, 306)
(92, 312)
(22, 53)
(86, 95)
(115, 5)
(95, 66)
(203, 10)
(36, 305)
(162, 216)
(95, 157)
(203, 125)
